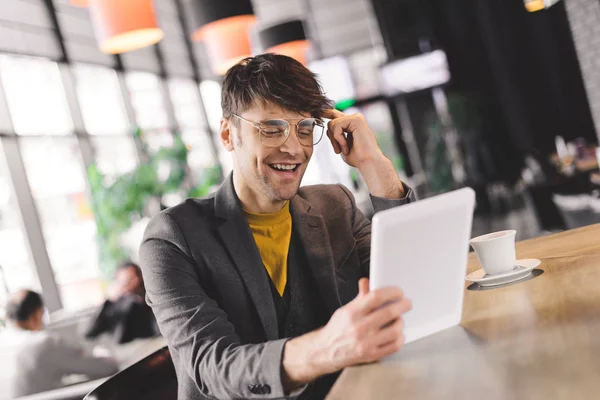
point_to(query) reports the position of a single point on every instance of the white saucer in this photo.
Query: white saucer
(522, 270)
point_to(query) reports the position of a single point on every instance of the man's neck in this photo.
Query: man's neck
(254, 203)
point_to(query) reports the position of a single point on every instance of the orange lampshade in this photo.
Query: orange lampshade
(124, 25)
(286, 38)
(534, 5)
(80, 3)
(296, 49)
(226, 41)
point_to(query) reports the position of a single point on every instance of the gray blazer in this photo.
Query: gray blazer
(206, 284)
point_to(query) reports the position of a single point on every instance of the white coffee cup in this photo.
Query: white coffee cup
(496, 251)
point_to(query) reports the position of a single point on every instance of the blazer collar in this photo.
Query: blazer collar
(239, 242)
(227, 203)
(308, 224)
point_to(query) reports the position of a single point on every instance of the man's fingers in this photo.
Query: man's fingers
(335, 131)
(387, 342)
(387, 314)
(379, 297)
(332, 113)
(337, 128)
(390, 333)
(336, 146)
(389, 348)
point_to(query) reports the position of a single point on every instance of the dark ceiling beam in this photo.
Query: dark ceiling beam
(188, 41)
(56, 26)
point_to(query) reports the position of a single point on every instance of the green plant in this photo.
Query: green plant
(116, 206)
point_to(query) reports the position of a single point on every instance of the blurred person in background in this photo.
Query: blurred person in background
(125, 316)
(128, 282)
(33, 360)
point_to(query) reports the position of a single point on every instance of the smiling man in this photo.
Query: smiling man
(261, 289)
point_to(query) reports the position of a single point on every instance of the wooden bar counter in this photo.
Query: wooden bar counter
(536, 339)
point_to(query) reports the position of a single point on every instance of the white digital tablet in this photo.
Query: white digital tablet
(422, 248)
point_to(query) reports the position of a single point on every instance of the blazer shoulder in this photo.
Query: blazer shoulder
(192, 208)
(172, 222)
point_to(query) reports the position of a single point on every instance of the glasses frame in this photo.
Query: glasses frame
(287, 131)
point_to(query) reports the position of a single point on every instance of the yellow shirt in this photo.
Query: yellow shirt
(272, 233)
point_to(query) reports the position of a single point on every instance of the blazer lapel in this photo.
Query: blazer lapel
(311, 231)
(237, 238)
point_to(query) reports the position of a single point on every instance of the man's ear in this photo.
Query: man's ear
(226, 134)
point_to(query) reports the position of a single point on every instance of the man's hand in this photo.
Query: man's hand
(351, 137)
(364, 330)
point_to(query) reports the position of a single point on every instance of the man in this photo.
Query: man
(125, 316)
(35, 361)
(257, 287)
(129, 281)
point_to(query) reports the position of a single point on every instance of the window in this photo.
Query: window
(211, 97)
(150, 111)
(100, 100)
(115, 155)
(194, 130)
(365, 71)
(33, 87)
(17, 270)
(105, 119)
(56, 176)
(335, 77)
(37, 105)
(186, 100)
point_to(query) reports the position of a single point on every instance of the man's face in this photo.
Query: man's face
(263, 168)
(129, 281)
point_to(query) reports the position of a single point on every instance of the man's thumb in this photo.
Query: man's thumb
(363, 286)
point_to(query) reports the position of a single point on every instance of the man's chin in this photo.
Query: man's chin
(285, 193)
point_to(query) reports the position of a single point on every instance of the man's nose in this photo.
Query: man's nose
(292, 144)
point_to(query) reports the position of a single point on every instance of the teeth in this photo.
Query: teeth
(285, 167)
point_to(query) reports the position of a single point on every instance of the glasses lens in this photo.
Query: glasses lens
(310, 131)
(274, 132)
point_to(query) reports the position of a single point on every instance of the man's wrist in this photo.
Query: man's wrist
(300, 364)
(381, 178)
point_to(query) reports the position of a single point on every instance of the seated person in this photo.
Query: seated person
(260, 289)
(33, 360)
(126, 316)
(129, 282)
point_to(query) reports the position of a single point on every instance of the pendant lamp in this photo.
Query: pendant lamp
(80, 3)
(223, 27)
(124, 25)
(537, 5)
(287, 38)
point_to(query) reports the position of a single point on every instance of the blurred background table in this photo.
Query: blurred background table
(536, 339)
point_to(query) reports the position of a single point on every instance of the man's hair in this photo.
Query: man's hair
(272, 78)
(22, 305)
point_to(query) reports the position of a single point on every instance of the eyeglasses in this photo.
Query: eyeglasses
(275, 132)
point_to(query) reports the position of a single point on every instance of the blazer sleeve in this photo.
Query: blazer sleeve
(361, 226)
(197, 328)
